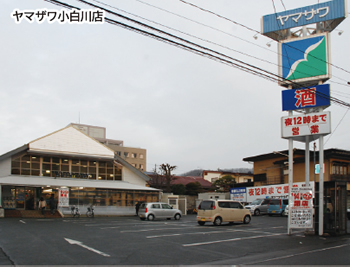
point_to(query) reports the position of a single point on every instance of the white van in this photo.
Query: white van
(218, 211)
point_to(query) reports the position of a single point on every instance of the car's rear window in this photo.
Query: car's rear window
(143, 206)
(275, 202)
(206, 205)
(285, 201)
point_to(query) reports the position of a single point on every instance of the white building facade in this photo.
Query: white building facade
(70, 160)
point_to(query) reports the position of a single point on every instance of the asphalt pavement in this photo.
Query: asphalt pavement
(130, 241)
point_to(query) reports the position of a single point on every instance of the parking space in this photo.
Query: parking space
(129, 241)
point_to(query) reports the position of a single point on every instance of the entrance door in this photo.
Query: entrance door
(25, 198)
(20, 198)
(29, 198)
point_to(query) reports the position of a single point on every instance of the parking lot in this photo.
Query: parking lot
(130, 241)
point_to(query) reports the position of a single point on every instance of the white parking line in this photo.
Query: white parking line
(301, 253)
(230, 240)
(211, 232)
(146, 230)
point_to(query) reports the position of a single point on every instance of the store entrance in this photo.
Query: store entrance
(25, 198)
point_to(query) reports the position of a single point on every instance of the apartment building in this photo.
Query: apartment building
(134, 156)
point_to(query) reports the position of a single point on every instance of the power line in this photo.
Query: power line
(257, 32)
(218, 57)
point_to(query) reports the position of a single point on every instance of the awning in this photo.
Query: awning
(40, 181)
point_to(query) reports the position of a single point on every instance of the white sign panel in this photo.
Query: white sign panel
(249, 194)
(301, 207)
(63, 197)
(311, 124)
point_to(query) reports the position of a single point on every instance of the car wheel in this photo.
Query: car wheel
(217, 221)
(150, 217)
(256, 212)
(177, 216)
(283, 213)
(246, 219)
(201, 223)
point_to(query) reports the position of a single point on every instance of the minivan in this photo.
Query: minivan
(277, 206)
(258, 206)
(219, 211)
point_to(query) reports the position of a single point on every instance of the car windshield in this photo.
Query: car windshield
(256, 202)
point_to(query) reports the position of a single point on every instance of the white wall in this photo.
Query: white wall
(130, 177)
(5, 167)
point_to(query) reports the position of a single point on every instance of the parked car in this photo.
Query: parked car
(219, 211)
(158, 210)
(348, 212)
(277, 207)
(258, 206)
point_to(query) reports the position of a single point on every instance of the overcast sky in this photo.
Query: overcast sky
(185, 109)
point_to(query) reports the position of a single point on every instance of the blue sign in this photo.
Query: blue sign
(238, 190)
(311, 97)
(333, 10)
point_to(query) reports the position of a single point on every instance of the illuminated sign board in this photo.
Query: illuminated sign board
(334, 11)
(310, 124)
(311, 97)
(304, 61)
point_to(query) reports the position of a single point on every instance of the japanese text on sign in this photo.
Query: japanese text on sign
(301, 207)
(89, 16)
(321, 12)
(63, 197)
(308, 124)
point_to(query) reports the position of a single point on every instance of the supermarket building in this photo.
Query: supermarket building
(71, 161)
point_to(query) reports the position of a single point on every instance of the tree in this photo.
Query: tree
(193, 189)
(226, 182)
(166, 170)
(178, 189)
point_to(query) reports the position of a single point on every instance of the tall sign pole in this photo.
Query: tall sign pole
(304, 65)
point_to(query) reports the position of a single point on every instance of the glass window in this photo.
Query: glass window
(206, 205)
(155, 206)
(235, 205)
(166, 206)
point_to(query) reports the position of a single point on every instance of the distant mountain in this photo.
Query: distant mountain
(199, 172)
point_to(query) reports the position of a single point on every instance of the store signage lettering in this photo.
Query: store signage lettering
(301, 207)
(70, 174)
(303, 125)
(320, 12)
(312, 97)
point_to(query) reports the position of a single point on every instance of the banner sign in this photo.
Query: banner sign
(249, 194)
(304, 59)
(332, 10)
(63, 197)
(306, 124)
(310, 97)
(238, 194)
(301, 207)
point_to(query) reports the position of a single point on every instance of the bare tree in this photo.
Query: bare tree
(166, 170)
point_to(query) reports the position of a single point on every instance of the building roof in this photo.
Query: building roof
(71, 142)
(328, 153)
(191, 179)
(185, 180)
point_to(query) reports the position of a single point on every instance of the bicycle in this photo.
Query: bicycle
(90, 211)
(75, 211)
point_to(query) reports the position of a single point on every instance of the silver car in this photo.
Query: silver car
(158, 210)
